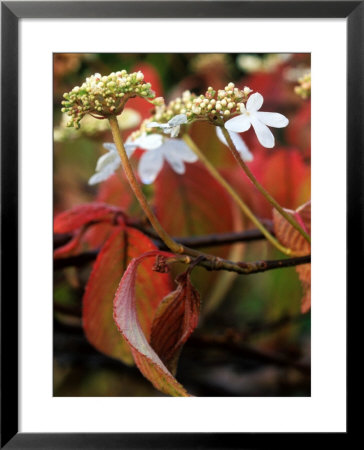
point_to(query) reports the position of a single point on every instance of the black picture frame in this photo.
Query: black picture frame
(11, 12)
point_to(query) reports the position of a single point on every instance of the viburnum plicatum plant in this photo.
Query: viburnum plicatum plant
(150, 319)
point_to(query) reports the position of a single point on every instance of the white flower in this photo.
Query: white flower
(175, 151)
(145, 141)
(252, 116)
(240, 145)
(172, 127)
(157, 149)
(106, 165)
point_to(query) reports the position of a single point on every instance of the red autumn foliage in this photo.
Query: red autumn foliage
(126, 319)
(116, 191)
(84, 214)
(292, 239)
(200, 205)
(123, 245)
(175, 320)
(203, 204)
(72, 247)
(298, 133)
(281, 171)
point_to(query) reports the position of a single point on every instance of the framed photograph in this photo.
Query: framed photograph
(158, 163)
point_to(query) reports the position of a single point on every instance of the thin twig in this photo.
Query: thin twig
(261, 189)
(213, 240)
(243, 268)
(204, 240)
(247, 268)
(207, 240)
(75, 261)
(138, 192)
(236, 197)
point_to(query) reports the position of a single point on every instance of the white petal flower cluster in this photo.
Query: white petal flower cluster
(250, 115)
(175, 151)
(157, 150)
(106, 165)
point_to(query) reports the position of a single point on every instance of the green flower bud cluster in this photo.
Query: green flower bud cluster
(222, 103)
(304, 87)
(214, 106)
(180, 105)
(163, 113)
(209, 106)
(103, 96)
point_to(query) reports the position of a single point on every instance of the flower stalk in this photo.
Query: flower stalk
(169, 242)
(261, 189)
(246, 210)
(164, 236)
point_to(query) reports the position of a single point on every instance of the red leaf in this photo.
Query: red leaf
(200, 206)
(203, 204)
(277, 92)
(70, 248)
(126, 319)
(288, 235)
(175, 320)
(95, 236)
(304, 274)
(282, 172)
(292, 239)
(116, 191)
(298, 133)
(82, 214)
(98, 323)
(207, 141)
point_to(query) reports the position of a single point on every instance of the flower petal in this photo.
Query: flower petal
(150, 165)
(264, 135)
(175, 162)
(129, 148)
(149, 141)
(109, 146)
(179, 147)
(98, 177)
(255, 102)
(157, 125)
(175, 151)
(238, 124)
(240, 145)
(108, 159)
(275, 120)
(179, 119)
(105, 172)
(174, 131)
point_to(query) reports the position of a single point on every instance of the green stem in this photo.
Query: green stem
(169, 242)
(261, 189)
(246, 210)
